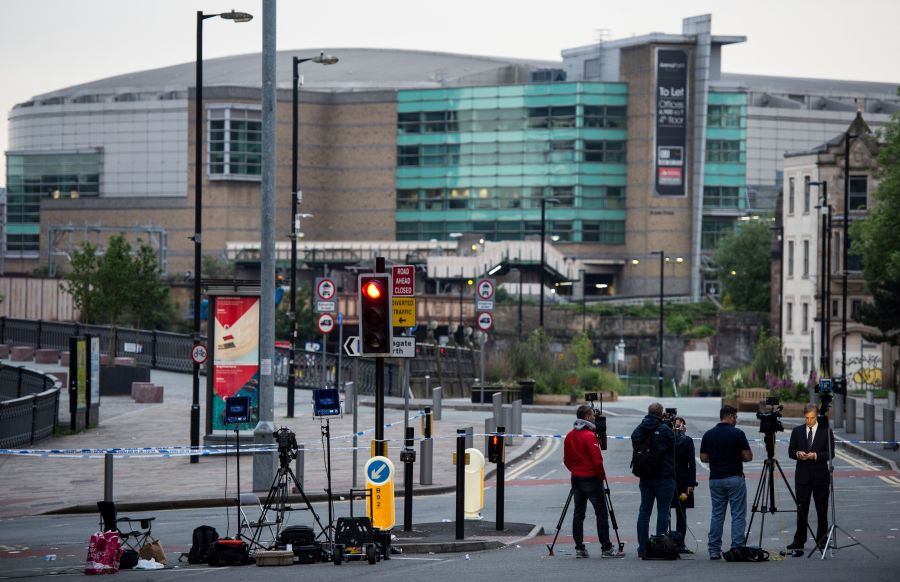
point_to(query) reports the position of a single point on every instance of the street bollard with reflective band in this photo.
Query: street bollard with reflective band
(426, 423)
(851, 415)
(474, 484)
(437, 402)
(888, 423)
(460, 483)
(426, 461)
(868, 422)
(380, 481)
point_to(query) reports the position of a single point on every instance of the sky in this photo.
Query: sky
(51, 44)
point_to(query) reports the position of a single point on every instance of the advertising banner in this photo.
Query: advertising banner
(671, 122)
(235, 369)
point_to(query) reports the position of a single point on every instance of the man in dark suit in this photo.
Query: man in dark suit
(810, 448)
(685, 481)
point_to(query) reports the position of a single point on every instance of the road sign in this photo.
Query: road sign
(312, 347)
(326, 323)
(404, 280)
(199, 354)
(325, 289)
(326, 306)
(380, 481)
(484, 321)
(403, 312)
(403, 346)
(484, 305)
(351, 345)
(485, 289)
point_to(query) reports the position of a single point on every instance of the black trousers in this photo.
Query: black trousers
(589, 489)
(818, 490)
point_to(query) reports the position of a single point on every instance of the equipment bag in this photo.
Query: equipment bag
(297, 535)
(205, 537)
(645, 459)
(229, 552)
(746, 554)
(661, 547)
(104, 553)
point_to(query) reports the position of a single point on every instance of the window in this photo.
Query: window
(604, 117)
(714, 230)
(604, 151)
(789, 317)
(235, 143)
(428, 155)
(721, 197)
(790, 195)
(407, 199)
(789, 360)
(723, 150)
(805, 361)
(610, 232)
(458, 199)
(724, 116)
(560, 231)
(859, 190)
(790, 258)
(806, 259)
(855, 304)
(561, 151)
(551, 117)
(407, 155)
(804, 324)
(806, 195)
(565, 195)
(408, 122)
(854, 260)
(834, 307)
(602, 197)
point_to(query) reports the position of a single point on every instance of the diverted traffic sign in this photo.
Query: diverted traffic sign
(351, 345)
(380, 482)
(403, 311)
(326, 323)
(484, 321)
(404, 280)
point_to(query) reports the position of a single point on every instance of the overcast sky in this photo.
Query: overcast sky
(51, 44)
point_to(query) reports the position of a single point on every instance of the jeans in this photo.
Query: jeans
(661, 491)
(586, 489)
(723, 492)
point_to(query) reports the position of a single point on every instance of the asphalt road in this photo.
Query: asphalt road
(867, 507)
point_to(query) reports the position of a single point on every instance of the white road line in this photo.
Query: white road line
(551, 447)
(547, 474)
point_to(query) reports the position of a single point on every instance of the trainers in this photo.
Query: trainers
(715, 556)
(684, 550)
(581, 553)
(612, 553)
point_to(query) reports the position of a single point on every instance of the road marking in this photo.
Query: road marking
(890, 480)
(547, 474)
(551, 447)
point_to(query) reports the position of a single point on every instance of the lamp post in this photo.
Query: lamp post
(544, 202)
(198, 210)
(662, 279)
(296, 198)
(844, 252)
(824, 280)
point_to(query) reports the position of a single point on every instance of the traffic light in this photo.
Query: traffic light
(375, 329)
(495, 448)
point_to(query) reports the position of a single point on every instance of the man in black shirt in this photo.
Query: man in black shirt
(685, 481)
(725, 448)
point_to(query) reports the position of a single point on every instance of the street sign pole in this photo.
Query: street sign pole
(481, 339)
(379, 386)
(340, 351)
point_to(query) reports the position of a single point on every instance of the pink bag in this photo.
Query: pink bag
(104, 553)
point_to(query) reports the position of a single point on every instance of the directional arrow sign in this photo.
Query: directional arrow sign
(351, 346)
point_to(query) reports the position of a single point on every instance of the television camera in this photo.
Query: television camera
(770, 423)
(599, 419)
(286, 440)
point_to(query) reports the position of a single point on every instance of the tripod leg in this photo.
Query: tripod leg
(759, 496)
(812, 535)
(306, 499)
(612, 514)
(562, 518)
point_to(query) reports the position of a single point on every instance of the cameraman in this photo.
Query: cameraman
(659, 486)
(582, 457)
(685, 480)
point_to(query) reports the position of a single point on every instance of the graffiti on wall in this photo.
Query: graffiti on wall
(863, 372)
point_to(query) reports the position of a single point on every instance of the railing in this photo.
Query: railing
(29, 405)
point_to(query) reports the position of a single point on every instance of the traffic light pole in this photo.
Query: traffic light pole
(379, 385)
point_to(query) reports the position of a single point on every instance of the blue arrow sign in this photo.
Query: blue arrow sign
(378, 472)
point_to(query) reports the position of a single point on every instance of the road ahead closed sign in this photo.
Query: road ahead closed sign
(380, 481)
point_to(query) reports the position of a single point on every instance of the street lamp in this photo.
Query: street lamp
(296, 198)
(198, 211)
(544, 202)
(825, 280)
(844, 252)
(662, 280)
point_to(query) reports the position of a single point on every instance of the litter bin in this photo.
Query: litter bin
(526, 391)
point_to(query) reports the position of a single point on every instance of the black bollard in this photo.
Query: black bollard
(408, 457)
(460, 482)
(501, 466)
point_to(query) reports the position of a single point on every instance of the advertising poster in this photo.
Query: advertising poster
(81, 378)
(671, 121)
(236, 357)
(95, 370)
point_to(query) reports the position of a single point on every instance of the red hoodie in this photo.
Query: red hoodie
(581, 454)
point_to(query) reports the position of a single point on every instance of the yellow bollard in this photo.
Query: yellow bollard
(474, 485)
(380, 481)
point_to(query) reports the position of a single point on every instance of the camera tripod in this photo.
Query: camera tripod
(607, 497)
(764, 500)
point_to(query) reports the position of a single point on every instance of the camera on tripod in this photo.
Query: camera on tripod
(287, 444)
(770, 420)
(669, 417)
(599, 419)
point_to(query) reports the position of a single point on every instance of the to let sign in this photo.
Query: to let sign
(404, 280)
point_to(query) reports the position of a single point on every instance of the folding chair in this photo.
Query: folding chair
(136, 530)
(250, 503)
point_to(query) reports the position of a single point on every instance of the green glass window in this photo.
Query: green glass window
(724, 116)
(604, 151)
(602, 197)
(723, 150)
(235, 143)
(714, 230)
(407, 199)
(721, 197)
(610, 232)
(551, 117)
(605, 117)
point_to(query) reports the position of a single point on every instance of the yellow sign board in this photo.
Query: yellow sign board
(403, 311)
(380, 482)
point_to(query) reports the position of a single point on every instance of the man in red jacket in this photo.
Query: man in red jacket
(583, 459)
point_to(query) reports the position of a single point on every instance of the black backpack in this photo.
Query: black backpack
(746, 554)
(205, 538)
(645, 459)
(661, 548)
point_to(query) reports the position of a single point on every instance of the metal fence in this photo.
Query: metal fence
(29, 405)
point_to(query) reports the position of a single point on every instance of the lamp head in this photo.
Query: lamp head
(324, 59)
(237, 16)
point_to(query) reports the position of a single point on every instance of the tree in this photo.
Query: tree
(744, 265)
(80, 280)
(305, 317)
(877, 240)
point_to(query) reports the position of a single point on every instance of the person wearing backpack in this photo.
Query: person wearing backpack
(653, 461)
(582, 457)
(685, 481)
(726, 449)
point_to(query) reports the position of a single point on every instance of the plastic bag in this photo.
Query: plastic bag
(104, 552)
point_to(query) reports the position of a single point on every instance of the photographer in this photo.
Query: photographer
(809, 447)
(685, 481)
(725, 448)
(582, 457)
(653, 460)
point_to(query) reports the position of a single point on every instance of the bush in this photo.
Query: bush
(598, 379)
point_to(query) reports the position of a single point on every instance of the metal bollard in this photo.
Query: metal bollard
(470, 436)
(408, 458)
(298, 462)
(892, 400)
(437, 399)
(497, 400)
(426, 461)
(349, 398)
(869, 421)
(851, 416)
(888, 421)
(870, 396)
(838, 421)
(460, 482)
(516, 423)
(108, 477)
(490, 425)
(508, 421)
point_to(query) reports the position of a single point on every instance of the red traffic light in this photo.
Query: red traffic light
(372, 289)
